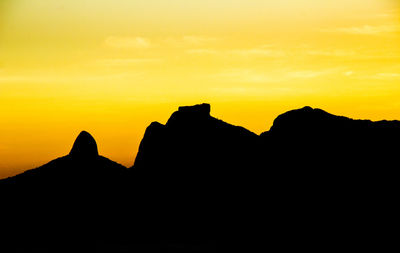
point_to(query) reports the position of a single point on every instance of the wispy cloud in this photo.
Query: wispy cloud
(189, 40)
(126, 61)
(128, 42)
(236, 90)
(355, 53)
(202, 51)
(365, 30)
(387, 76)
(306, 74)
(383, 15)
(258, 52)
(382, 76)
(387, 14)
(198, 40)
(348, 73)
(261, 51)
(258, 91)
(121, 42)
(244, 75)
(53, 79)
(335, 53)
(253, 76)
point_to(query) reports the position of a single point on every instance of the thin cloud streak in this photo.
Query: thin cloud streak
(258, 52)
(262, 51)
(200, 51)
(335, 53)
(387, 76)
(126, 62)
(127, 42)
(198, 40)
(348, 73)
(53, 79)
(189, 41)
(365, 30)
(252, 76)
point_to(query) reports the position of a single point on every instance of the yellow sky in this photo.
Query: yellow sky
(113, 67)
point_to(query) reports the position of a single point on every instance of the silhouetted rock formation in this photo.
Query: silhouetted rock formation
(199, 176)
(347, 169)
(84, 146)
(308, 160)
(323, 140)
(64, 198)
(192, 139)
(82, 167)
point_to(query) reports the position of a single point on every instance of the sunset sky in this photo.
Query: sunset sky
(112, 67)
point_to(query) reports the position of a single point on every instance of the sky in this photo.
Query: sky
(113, 67)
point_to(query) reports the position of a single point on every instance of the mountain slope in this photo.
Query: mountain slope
(320, 139)
(82, 167)
(194, 146)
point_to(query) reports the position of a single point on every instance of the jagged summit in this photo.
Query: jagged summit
(191, 114)
(84, 146)
(200, 140)
(203, 109)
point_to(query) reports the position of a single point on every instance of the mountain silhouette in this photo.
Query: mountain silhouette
(312, 175)
(332, 145)
(63, 199)
(82, 167)
(191, 149)
(84, 146)
(344, 168)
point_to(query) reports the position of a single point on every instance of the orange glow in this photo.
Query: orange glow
(113, 67)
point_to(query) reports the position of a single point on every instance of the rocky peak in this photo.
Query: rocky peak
(186, 114)
(202, 109)
(84, 146)
(302, 116)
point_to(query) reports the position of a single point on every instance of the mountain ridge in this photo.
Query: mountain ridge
(199, 176)
(203, 111)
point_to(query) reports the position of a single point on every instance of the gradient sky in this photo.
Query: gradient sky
(113, 67)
